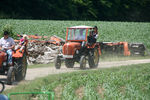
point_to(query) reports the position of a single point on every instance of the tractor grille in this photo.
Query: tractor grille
(68, 50)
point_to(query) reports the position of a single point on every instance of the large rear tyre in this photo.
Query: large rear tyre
(57, 62)
(69, 63)
(83, 62)
(11, 75)
(93, 58)
(21, 66)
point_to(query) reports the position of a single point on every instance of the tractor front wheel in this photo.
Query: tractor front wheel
(57, 62)
(69, 63)
(11, 75)
(83, 62)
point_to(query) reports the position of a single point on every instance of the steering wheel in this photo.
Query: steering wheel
(2, 86)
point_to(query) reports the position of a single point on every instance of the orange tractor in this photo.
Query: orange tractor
(78, 49)
(17, 71)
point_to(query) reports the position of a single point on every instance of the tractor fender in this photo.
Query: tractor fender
(99, 50)
(3, 57)
(95, 45)
(17, 54)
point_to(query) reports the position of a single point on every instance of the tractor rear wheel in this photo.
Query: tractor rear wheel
(83, 62)
(93, 58)
(21, 66)
(69, 63)
(57, 62)
(11, 75)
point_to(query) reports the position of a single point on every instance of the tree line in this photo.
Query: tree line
(106, 10)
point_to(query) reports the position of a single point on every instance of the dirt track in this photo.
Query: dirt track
(41, 72)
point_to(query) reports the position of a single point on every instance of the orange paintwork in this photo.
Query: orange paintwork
(37, 37)
(95, 45)
(18, 54)
(86, 34)
(69, 48)
(91, 46)
(99, 51)
(125, 47)
(34, 36)
(2, 57)
(55, 40)
(67, 34)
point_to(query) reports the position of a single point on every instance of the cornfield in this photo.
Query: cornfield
(108, 31)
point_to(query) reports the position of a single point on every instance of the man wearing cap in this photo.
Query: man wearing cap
(7, 44)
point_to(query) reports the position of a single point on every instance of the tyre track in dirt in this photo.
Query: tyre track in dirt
(34, 73)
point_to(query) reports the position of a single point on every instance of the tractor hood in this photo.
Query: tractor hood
(70, 48)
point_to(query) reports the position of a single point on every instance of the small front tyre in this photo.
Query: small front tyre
(57, 62)
(69, 63)
(83, 62)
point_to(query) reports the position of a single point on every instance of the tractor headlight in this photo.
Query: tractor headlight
(77, 51)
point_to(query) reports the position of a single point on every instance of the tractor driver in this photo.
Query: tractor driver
(93, 35)
(7, 44)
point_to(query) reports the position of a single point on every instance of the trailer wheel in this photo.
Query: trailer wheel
(83, 62)
(69, 63)
(21, 68)
(11, 75)
(93, 58)
(57, 62)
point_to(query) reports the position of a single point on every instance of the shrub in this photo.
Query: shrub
(8, 28)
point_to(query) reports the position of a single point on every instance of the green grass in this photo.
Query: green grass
(106, 58)
(108, 31)
(122, 83)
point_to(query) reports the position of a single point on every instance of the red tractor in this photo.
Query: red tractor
(17, 71)
(78, 48)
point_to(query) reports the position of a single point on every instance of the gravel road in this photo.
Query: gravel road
(34, 73)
